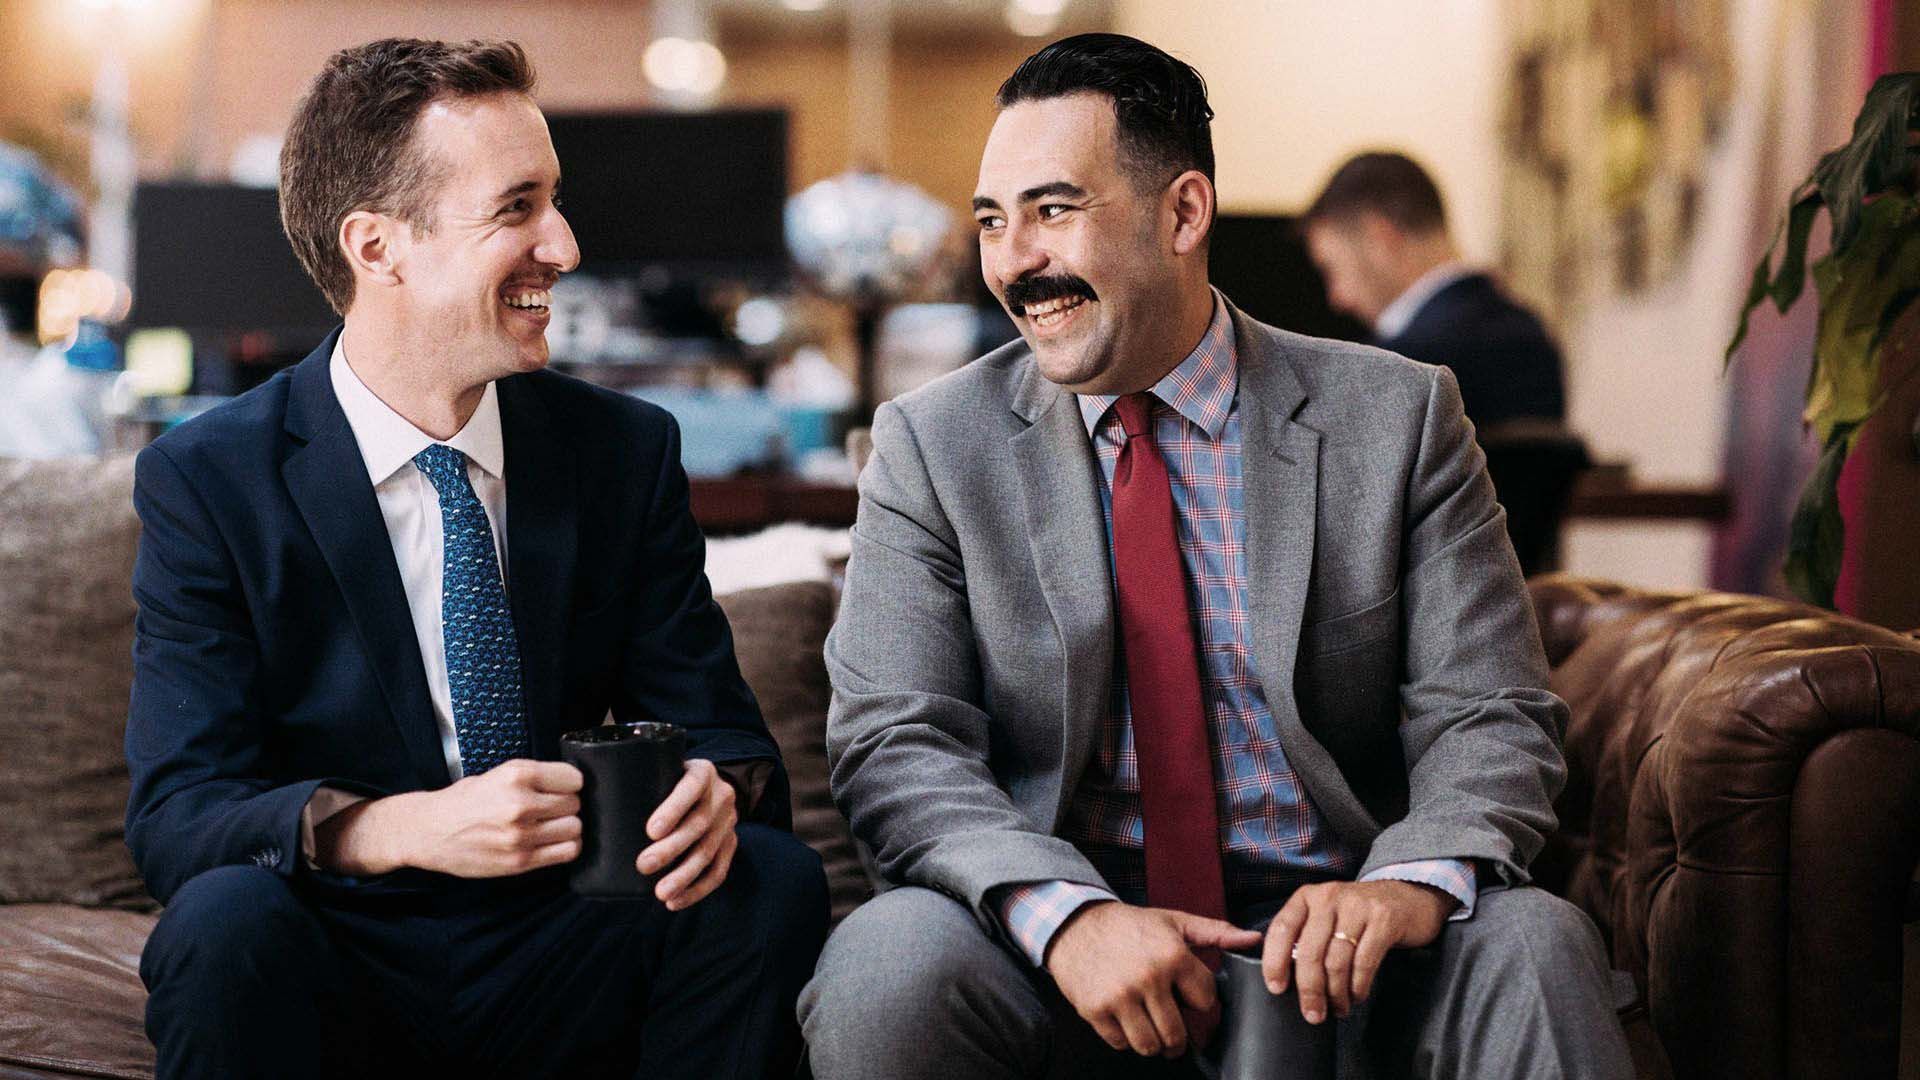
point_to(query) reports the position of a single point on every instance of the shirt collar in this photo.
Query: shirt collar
(1200, 388)
(1396, 316)
(387, 440)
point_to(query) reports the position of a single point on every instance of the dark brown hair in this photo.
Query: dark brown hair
(351, 147)
(1391, 185)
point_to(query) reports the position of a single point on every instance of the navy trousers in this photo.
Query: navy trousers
(250, 974)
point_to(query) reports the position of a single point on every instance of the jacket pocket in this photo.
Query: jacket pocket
(1352, 630)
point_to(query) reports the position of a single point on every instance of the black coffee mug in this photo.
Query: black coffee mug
(1262, 1034)
(629, 770)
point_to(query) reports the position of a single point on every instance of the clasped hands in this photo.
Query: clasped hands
(523, 815)
(1131, 972)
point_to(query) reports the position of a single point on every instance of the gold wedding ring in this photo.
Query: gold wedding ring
(1341, 935)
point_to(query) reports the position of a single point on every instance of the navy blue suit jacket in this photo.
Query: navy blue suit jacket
(274, 652)
(1505, 363)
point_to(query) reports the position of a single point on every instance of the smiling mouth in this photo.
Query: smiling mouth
(530, 301)
(1050, 314)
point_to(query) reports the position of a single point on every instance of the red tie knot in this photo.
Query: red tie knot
(1133, 410)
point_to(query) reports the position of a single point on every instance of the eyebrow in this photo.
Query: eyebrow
(523, 187)
(1032, 194)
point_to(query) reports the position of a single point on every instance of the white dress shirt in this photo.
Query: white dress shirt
(411, 508)
(1395, 317)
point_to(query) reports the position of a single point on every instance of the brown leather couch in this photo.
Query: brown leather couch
(1742, 817)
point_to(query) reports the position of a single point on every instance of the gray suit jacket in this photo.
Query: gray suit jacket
(972, 658)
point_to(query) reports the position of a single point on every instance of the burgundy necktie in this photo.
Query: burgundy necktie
(1163, 678)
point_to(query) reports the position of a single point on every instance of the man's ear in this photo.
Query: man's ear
(1379, 235)
(375, 245)
(1190, 201)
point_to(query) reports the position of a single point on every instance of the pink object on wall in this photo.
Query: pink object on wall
(1876, 484)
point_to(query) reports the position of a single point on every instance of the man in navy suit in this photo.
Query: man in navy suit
(1378, 233)
(372, 595)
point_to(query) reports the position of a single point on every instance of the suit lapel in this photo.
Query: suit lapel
(542, 544)
(1067, 536)
(1280, 490)
(327, 479)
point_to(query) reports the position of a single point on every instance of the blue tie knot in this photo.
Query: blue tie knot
(445, 467)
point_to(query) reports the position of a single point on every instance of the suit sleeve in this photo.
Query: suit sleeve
(1481, 733)
(908, 735)
(197, 743)
(679, 664)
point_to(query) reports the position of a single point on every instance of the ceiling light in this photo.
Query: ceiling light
(1028, 23)
(681, 66)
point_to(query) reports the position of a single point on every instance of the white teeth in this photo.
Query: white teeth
(539, 299)
(1049, 307)
(1053, 312)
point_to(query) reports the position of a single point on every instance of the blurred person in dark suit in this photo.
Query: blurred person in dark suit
(1378, 234)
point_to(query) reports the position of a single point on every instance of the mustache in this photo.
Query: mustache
(1039, 290)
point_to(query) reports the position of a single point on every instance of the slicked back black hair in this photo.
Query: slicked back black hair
(1160, 108)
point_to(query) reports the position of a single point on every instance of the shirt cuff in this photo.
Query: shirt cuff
(749, 780)
(1033, 913)
(1455, 877)
(324, 803)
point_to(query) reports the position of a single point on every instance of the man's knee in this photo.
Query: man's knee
(907, 974)
(1527, 959)
(232, 926)
(1530, 949)
(1531, 925)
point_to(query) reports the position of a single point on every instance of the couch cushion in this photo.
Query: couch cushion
(67, 536)
(778, 634)
(70, 993)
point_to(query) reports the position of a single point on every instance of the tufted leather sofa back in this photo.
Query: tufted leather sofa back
(1742, 818)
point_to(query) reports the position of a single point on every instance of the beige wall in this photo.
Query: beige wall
(1297, 86)
(206, 74)
(49, 52)
(1646, 377)
(941, 103)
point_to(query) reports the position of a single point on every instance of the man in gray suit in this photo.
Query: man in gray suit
(1169, 632)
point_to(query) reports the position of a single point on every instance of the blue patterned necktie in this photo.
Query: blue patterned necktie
(483, 658)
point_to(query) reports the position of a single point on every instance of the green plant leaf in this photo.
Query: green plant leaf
(1858, 288)
(1816, 538)
(1756, 292)
(1875, 158)
(1785, 288)
(1793, 265)
(1879, 156)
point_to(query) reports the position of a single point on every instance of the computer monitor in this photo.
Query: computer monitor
(1260, 262)
(693, 193)
(211, 258)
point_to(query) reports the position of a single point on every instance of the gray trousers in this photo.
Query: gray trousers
(910, 987)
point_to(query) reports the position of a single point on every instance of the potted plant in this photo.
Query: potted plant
(1866, 282)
